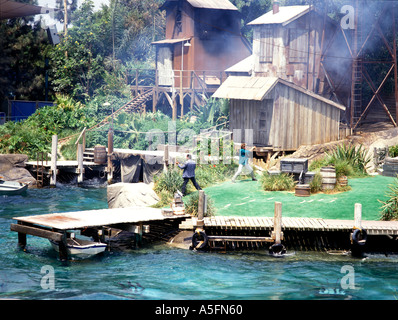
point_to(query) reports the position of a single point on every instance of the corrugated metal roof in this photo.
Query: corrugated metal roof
(170, 41)
(245, 65)
(284, 16)
(213, 4)
(246, 88)
(257, 88)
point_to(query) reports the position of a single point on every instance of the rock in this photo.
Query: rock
(12, 168)
(182, 240)
(18, 174)
(123, 195)
(9, 161)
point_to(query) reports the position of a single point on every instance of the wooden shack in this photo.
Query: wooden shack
(301, 45)
(282, 115)
(203, 38)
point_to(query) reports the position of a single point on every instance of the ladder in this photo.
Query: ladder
(356, 89)
(40, 170)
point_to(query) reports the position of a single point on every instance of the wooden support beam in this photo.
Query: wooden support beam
(240, 238)
(23, 230)
(63, 249)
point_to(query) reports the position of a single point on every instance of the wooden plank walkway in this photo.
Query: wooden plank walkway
(97, 218)
(288, 223)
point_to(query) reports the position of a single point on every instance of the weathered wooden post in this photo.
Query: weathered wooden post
(53, 177)
(21, 239)
(80, 168)
(200, 240)
(277, 248)
(63, 249)
(201, 209)
(358, 236)
(110, 152)
(358, 216)
(166, 157)
(278, 222)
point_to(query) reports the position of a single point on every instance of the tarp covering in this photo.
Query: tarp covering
(136, 167)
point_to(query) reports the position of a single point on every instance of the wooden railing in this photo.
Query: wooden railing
(200, 80)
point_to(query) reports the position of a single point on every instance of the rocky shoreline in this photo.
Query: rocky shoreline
(12, 168)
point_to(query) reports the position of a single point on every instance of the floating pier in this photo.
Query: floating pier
(97, 223)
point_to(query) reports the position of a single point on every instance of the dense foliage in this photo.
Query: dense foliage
(348, 160)
(279, 182)
(389, 208)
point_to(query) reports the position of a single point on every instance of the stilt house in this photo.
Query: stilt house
(203, 39)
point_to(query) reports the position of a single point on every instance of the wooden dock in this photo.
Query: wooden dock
(296, 224)
(55, 226)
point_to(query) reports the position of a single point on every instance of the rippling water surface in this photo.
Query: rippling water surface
(162, 272)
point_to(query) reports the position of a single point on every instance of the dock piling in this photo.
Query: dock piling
(166, 157)
(358, 216)
(110, 152)
(54, 145)
(80, 168)
(358, 236)
(201, 209)
(278, 222)
(277, 248)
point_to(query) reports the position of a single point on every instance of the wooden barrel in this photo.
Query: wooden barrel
(328, 178)
(302, 190)
(100, 155)
(343, 181)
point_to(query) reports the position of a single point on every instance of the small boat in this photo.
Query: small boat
(12, 187)
(81, 248)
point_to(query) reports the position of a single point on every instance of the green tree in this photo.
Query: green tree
(77, 61)
(23, 49)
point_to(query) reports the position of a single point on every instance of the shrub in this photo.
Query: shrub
(352, 155)
(169, 181)
(191, 205)
(393, 151)
(316, 183)
(343, 168)
(389, 208)
(280, 182)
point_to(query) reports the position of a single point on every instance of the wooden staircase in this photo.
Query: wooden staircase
(88, 155)
(134, 105)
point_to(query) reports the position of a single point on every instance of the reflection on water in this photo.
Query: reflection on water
(163, 272)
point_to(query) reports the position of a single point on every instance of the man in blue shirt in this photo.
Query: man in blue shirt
(244, 162)
(189, 173)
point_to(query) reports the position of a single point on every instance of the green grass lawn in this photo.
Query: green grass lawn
(246, 198)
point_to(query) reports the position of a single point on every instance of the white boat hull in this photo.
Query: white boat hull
(12, 187)
(81, 248)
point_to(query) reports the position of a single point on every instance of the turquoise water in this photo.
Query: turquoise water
(162, 272)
